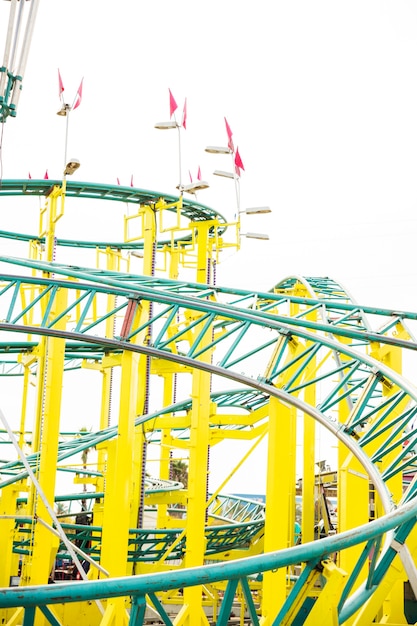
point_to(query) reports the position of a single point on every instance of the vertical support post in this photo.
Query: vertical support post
(280, 487)
(144, 368)
(165, 457)
(192, 613)
(8, 500)
(117, 513)
(36, 569)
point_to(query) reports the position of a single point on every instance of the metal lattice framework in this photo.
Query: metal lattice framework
(302, 350)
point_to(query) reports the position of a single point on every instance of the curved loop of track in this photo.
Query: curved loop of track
(171, 298)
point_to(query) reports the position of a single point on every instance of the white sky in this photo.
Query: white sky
(321, 98)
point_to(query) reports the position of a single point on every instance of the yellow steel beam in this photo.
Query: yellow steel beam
(36, 569)
(280, 488)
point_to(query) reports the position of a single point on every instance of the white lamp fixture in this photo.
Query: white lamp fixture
(255, 236)
(166, 125)
(256, 210)
(218, 150)
(71, 167)
(193, 187)
(224, 174)
(64, 110)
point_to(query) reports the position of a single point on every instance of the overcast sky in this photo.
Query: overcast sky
(321, 97)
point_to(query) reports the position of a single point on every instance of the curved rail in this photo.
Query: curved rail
(314, 555)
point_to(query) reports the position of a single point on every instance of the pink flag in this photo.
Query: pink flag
(229, 136)
(46, 175)
(191, 178)
(78, 96)
(184, 114)
(238, 160)
(199, 173)
(29, 176)
(131, 181)
(61, 84)
(118, 181)
(172, 104)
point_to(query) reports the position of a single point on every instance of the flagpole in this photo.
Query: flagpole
(237, 187)
(66, 135)
(179, 154)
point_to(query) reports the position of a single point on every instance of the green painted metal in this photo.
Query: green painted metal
(194, 211)
(399, 521)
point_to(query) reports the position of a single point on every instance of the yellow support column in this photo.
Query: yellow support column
(352, 486)
(192, 613)
(309, 447)
(144, 371)
(164, 455)
(36, 569)
(7, 523)
(279, 525)
(106, 370)
(324, 611)
(116, 516)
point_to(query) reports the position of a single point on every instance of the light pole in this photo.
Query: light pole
(169, 126)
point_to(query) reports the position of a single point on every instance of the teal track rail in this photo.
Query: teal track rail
(145, 587)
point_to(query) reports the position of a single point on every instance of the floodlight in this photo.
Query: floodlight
(224, 174)
(193, 187)
(218, 150)
(65, 109)
(256, 210)
(255, 236)
(166, 125)
(71, 167)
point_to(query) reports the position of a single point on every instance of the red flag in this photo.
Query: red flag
(46, 175)
(184, 114)
(29, 176)
(199, 173)
(131, 181)
(229, 136)
(61, 84)
(238, 161)
(173, 106)
(78, 96)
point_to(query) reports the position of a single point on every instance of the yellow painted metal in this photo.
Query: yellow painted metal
(353, 485)
(49, 216)
(192, 613)
(386, 603)
(8, 505)
(165, 448)
(280, 487)
(37, 568)
(309, 452)
(324, 611)
(118, 494)
(393, 606)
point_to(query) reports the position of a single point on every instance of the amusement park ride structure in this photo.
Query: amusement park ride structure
(219, 364)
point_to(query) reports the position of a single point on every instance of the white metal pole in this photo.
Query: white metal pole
(6, 57)
(25, 50)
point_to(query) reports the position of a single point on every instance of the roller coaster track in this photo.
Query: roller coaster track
(305, 334)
